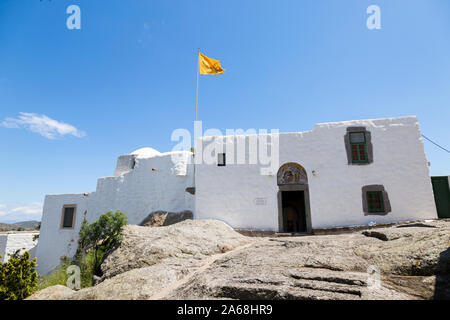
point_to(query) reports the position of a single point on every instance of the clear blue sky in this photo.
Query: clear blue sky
(127, 79)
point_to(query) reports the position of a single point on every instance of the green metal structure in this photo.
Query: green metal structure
(441, 191)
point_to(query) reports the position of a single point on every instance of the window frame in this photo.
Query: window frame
(74, 206)
(368, 148)
(385, 203)
(358, 146)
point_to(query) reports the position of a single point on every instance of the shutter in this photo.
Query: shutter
(441, 196)
(68, 217)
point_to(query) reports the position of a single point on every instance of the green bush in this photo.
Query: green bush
(60, 275)
(99, 237)
(57, 276)
(95, 240)
(18, 278)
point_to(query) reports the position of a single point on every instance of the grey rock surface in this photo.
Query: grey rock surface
(164, 218)
(57, 292)
(205, 259)
(415, 250)
(143, 246)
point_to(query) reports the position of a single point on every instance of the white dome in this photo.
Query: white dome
(146, 153)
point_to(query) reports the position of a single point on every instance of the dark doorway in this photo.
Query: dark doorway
(294, 211)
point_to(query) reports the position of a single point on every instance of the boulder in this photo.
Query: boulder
(164, 218)
(57, 292)
(410, 250)
(136, 284)
(190, 239)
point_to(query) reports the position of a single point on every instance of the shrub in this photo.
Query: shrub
(99, 237)
(60, 275)
(18, 277)
(95, 239)
(57, 276)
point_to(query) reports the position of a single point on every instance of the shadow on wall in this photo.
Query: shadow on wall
(442, 286)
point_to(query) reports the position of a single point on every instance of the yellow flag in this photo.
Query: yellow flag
(209, 66)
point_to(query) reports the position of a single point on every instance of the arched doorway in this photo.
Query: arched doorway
(293, 199)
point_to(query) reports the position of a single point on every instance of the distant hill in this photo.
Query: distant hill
(28, 224)
(19, 226)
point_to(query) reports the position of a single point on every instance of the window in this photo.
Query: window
(358, 146)
(221, 160)
(375, 200)
(68, 216)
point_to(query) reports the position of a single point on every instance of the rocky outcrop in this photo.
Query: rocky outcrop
(57, 292)
(204, 259)
(188, 242)
(412, 249)
(289, 268)
(164, 218)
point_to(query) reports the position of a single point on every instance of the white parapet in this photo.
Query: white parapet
(10, 242)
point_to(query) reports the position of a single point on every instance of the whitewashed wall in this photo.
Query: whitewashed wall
(3, 242)
(55, 242)
(157, 182)
(11, 242)
(228, 193)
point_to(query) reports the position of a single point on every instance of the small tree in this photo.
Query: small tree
(18, 277)
(101, 236)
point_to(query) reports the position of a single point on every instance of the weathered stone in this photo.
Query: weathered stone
(136, 284)
(164, 218)
(57, 292)
(143, 247)
(410, 250)
(323, 267)
(205, 259)
(96, 280)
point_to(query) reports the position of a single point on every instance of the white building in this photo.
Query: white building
(337, 174)
(12, 241)
(144, 181)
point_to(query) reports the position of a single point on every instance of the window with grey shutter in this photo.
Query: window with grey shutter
(68, 217)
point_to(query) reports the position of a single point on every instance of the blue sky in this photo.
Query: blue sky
(127, 79)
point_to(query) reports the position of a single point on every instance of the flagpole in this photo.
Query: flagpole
(196, 108)
(198, 74)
